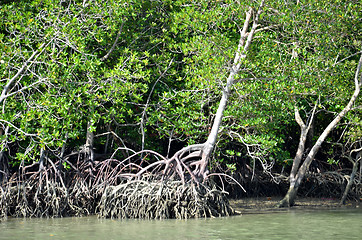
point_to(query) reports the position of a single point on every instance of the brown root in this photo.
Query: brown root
(45, 193)
(331, 184)
(136, 187)
(163, 199)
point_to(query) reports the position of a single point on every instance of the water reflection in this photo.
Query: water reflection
(331, 224)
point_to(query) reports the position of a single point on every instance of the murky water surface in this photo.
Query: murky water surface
(316, 224)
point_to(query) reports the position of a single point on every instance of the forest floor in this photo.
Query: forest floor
(268, 204)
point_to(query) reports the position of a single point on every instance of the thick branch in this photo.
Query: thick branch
(302, 140)
(239, 55)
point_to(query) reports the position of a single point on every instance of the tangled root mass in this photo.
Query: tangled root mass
(165, 188)
(160, 200)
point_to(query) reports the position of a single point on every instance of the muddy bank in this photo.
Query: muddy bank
(268, 204)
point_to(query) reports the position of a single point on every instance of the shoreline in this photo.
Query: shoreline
(267, 204)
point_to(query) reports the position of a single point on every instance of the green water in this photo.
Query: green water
(316, 224)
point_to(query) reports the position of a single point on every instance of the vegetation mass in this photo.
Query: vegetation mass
(158, 109)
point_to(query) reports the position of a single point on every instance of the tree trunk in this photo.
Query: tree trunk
(304, 129)
(4, 165)
(289, 198)
(240, 54)
(41, 167)
(89, 143)
(352, 176)
(349, 184)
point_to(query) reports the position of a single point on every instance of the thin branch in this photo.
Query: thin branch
(225, 175)
(354, 54)
(22, 89)
(12, 125)
(114, 44)
(20, 71)
(148, 101)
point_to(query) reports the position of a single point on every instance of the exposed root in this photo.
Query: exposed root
(27, 200)
(331, 184)
(165, 188)
(45, 193)
(160, 200)
(147, 187)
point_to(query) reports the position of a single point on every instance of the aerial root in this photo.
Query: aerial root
(43, 198)
(331, 184)
(161, 200)
(135, 187)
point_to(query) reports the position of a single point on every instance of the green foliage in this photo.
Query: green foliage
(158, 67)
(332, 161)
(70, 84)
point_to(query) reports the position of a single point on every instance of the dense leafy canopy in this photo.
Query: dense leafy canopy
(151, 73)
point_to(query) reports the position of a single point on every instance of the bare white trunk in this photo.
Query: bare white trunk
(302, 141)
(4, 165)
(353, 173)
(89, 143)
(240, 54)
(349, 184)
(290, 198)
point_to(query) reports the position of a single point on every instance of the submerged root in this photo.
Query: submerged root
(160, 200)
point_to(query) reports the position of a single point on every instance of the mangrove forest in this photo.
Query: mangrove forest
(168, 109)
